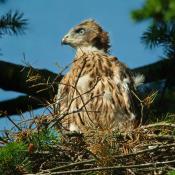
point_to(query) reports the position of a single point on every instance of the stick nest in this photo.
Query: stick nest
(148, 149)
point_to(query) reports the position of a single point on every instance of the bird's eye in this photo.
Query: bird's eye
(80, 31)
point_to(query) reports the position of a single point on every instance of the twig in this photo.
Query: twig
(72, 112)
(74, 98)
(117, 157)
(69, 165)
(158, 124)
(142, 106)
(154, 164)
(161, 137)
(14, 123)
(146, 150)
(76, 82)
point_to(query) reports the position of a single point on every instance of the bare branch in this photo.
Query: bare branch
(139, 166)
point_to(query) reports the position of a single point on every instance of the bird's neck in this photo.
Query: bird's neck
(89, 49)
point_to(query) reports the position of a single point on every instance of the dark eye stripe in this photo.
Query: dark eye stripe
(79, 30)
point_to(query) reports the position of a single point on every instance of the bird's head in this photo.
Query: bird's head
(87, 34)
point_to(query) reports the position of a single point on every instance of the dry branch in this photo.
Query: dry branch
(116, 157)
(148, 153)
(139, 166)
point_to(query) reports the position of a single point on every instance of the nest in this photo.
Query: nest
(149, 149)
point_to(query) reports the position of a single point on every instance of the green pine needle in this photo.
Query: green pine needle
(12, 23)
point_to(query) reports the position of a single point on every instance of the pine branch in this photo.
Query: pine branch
(18, 105)
(14, 77)
(155, 36)
(12, 23)
(39, 83)
(157, 10)
(157, 71)
(161, 34)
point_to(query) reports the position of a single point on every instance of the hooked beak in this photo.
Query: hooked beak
(65, 40)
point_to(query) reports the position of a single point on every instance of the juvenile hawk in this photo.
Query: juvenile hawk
(97, 92)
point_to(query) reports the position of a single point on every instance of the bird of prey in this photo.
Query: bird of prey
(98, 91)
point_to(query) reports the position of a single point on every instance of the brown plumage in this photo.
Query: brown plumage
(97, 91)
